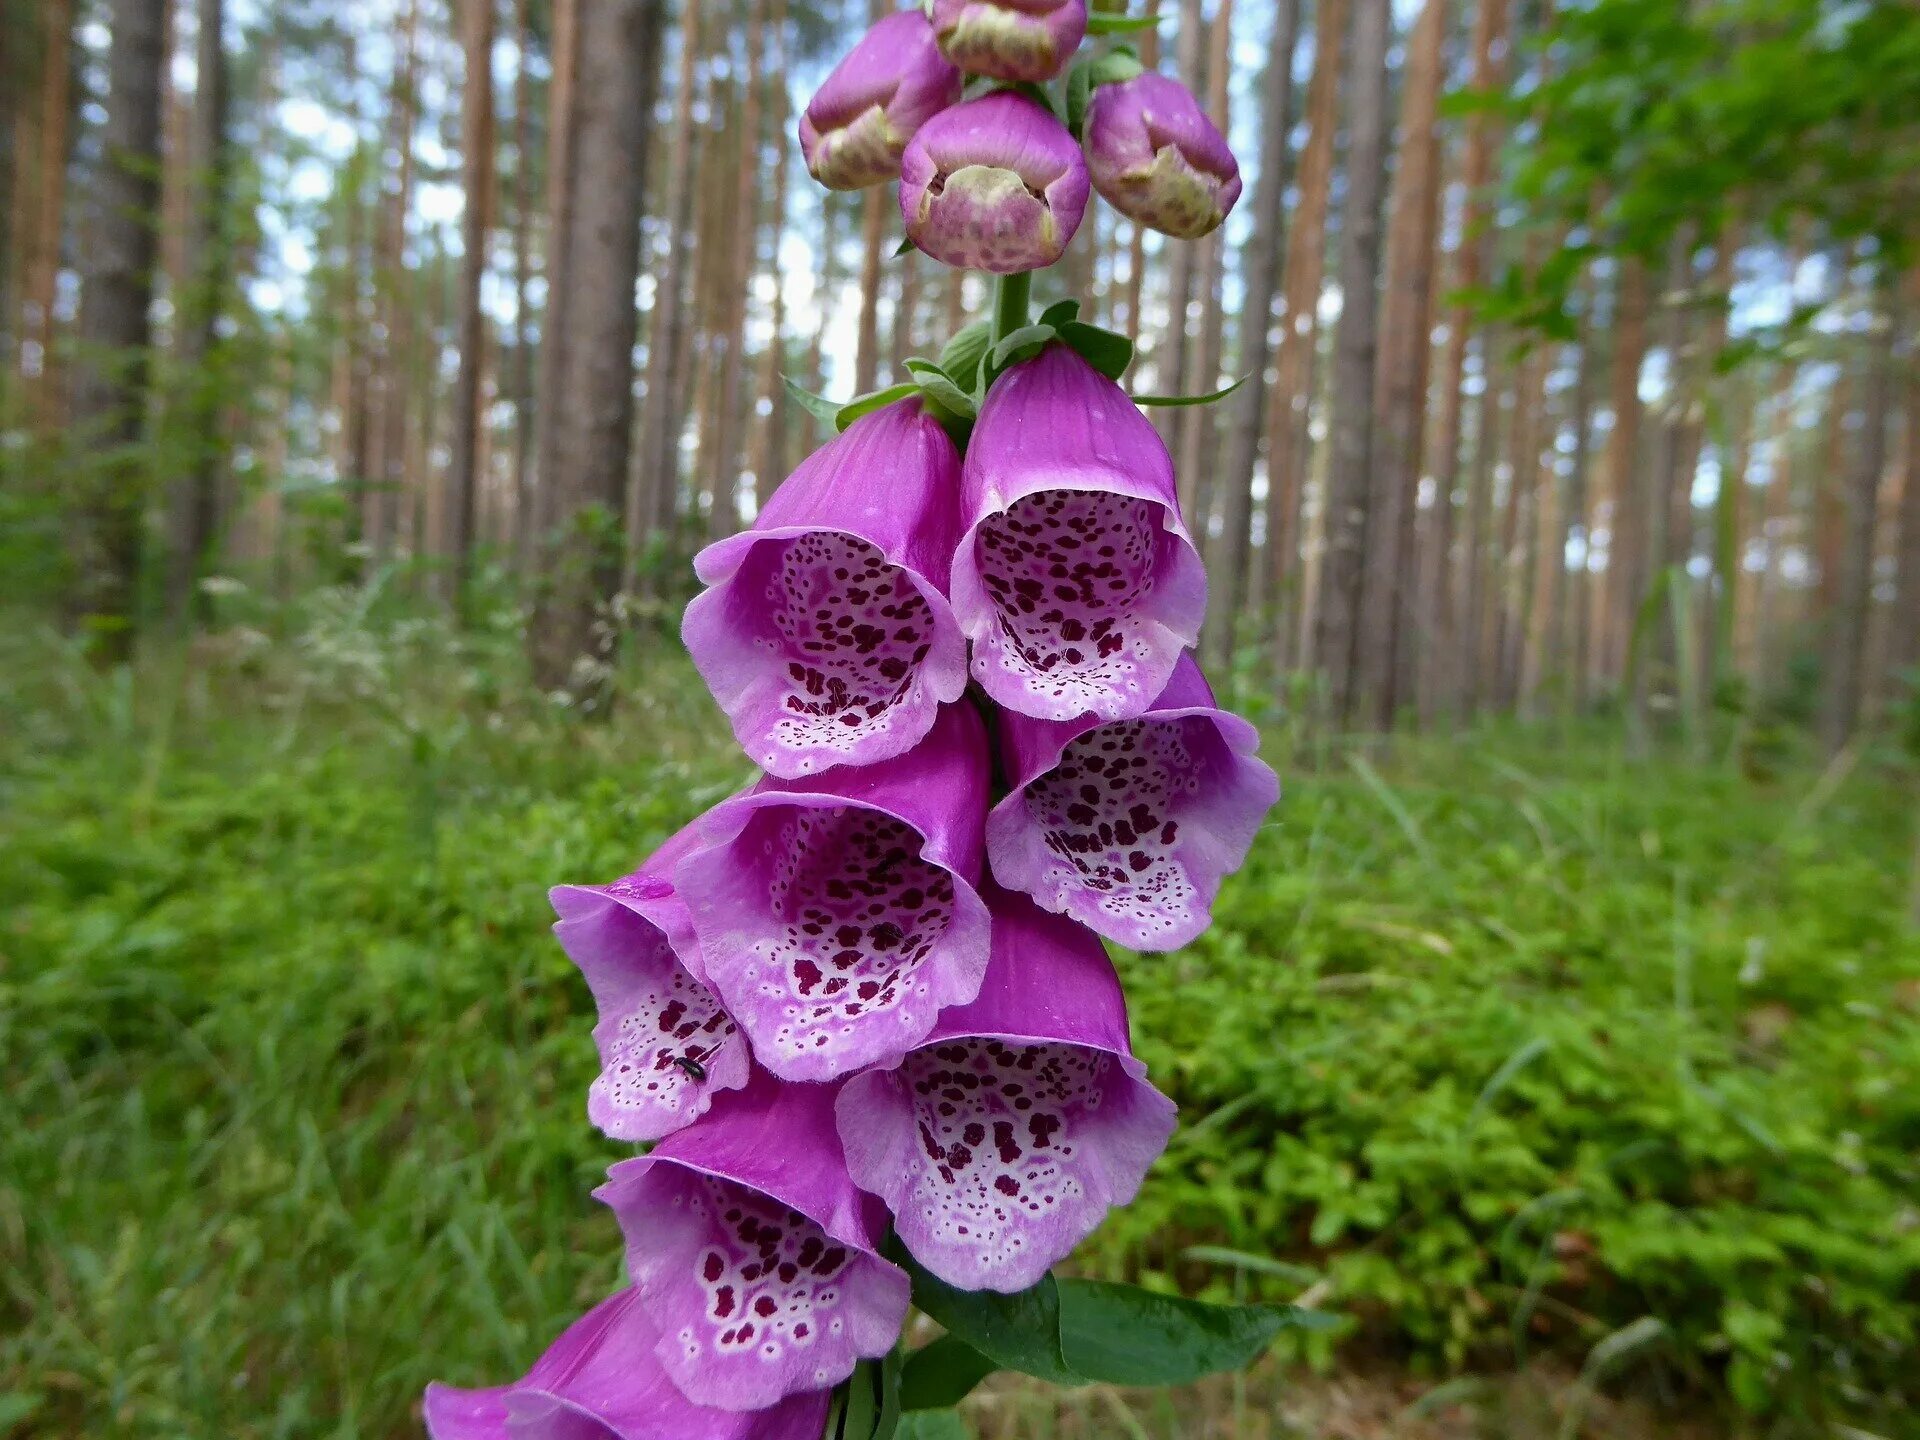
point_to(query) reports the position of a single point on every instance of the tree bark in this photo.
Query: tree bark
(1343, 574)
(1292, 400)
(520, 374)
(1194, 426)
(1170, 357)
(114, 370)
(770, 465)
(1847, 651)
(866, 360)
(1903, 655)
(1625, 513)
(724, 518)
(477, 166)
(45, 225)
(1260, 270)
(382, 448)
(1401, 381)
(619, 61)
(1569, 603)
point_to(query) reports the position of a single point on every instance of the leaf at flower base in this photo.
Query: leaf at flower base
(931, 1425)
(1189, 399)
(942, 1374)
(1108, 351)
(1017, 345)
(886, 1425)
(818, 406)
(1123, 1335)
(963, 353)
(1116, 65)
(1060, 313)
(1103, 24)
(942, 387)
(1079, 95)
(1016, 1332)
(867, 404)
(861, 1410)
(906, 246)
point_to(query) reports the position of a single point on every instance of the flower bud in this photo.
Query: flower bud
(860, 120)
(1157, 158)
(1028, 40)
(994, 184)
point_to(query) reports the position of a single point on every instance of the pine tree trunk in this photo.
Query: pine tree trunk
(1292, 401)
(520, 376)
(114, 369)
(1401, 380)
(1468, 652)
(1569, 602)
(477, 172)
(770, 465)
(46, 224)
(866, 362)
(383, 448)
(1438, 585)
(1260, 272)
(1194, 427)
(610, 125)
(1903, 657)
(1170, 356)
(1343, 575)
(724, 518)
(1625, 513)
(1861, 505)
(208, 262)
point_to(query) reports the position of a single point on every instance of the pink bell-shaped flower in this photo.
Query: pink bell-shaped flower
(1028, 40)
(860, 120)
(1156, 157)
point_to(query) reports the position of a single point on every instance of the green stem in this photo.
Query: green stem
(1010, 296)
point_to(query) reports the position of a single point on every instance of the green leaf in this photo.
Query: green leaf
(941, 387)
(867, 404)
(1060, 312)
(931, 1425)
(1108, 351)
(905, 246)
(857, 1423)
(1079, 92)
(1016, 1332)
(962, 356)
(1018, 345)
(886, 1424)
(1098, 24)
(1115, 66)
(1190, 399)
(1302, 1275)
(818, 406)
(1124, 1335)
(942, 1374)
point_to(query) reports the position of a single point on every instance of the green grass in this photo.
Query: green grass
(1504, 1048)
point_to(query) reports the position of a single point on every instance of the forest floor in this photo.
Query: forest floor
(1587, 1091)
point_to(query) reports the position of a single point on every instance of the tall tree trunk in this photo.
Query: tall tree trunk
(1471, 255)
(724, 518)
(1261, 274)
(383, 448)
(1468, 652)
(1401, 381)
(520, 376)
(612, 115)
(114, 370)
(1626, 519)
(1170, 356)
(209, 257)
(1292, 402)
(45, 225)
(770, 466)
(1861, 505)
(1194, 427)
(1510, 574)
(1903, 657)
(866, 360)
(1569, 602)
(1343, 575)
(477, 167)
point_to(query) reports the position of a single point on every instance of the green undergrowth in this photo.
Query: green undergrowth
(1503, 1048)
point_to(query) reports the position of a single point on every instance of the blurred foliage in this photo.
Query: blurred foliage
(1514, 1049)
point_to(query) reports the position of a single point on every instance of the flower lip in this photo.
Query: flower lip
(1025, 40)
(836, 918)
(824, 632)
(1129, 826)
(754, 1251)
(595, 1383)
(887, 86)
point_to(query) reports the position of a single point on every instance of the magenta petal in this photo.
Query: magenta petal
(1002, 1142)
(1029, 40)
(825, 632)
(666, 1044)
(1156, 158)
(995, 184)
(1075, 578)
(753, 1251)
(837, 919)
(1129, 826)
(599, 1381)
(858, 122)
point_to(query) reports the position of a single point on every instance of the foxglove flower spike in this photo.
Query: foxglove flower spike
(824, 631)
(1129, 826)
(753, 1252)
(1075, 578)
(838, 916)
(1003, 1140)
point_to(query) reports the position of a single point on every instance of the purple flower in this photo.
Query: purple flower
(1075, 579)
(1158, 159)
(825, 632)
(994, 184)
(599, 1381)
(1129, 826)
(753, 1252)
(1006, 1137)
(836, 920)
(861, 118)
(1010, 39)
(666, 1045)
